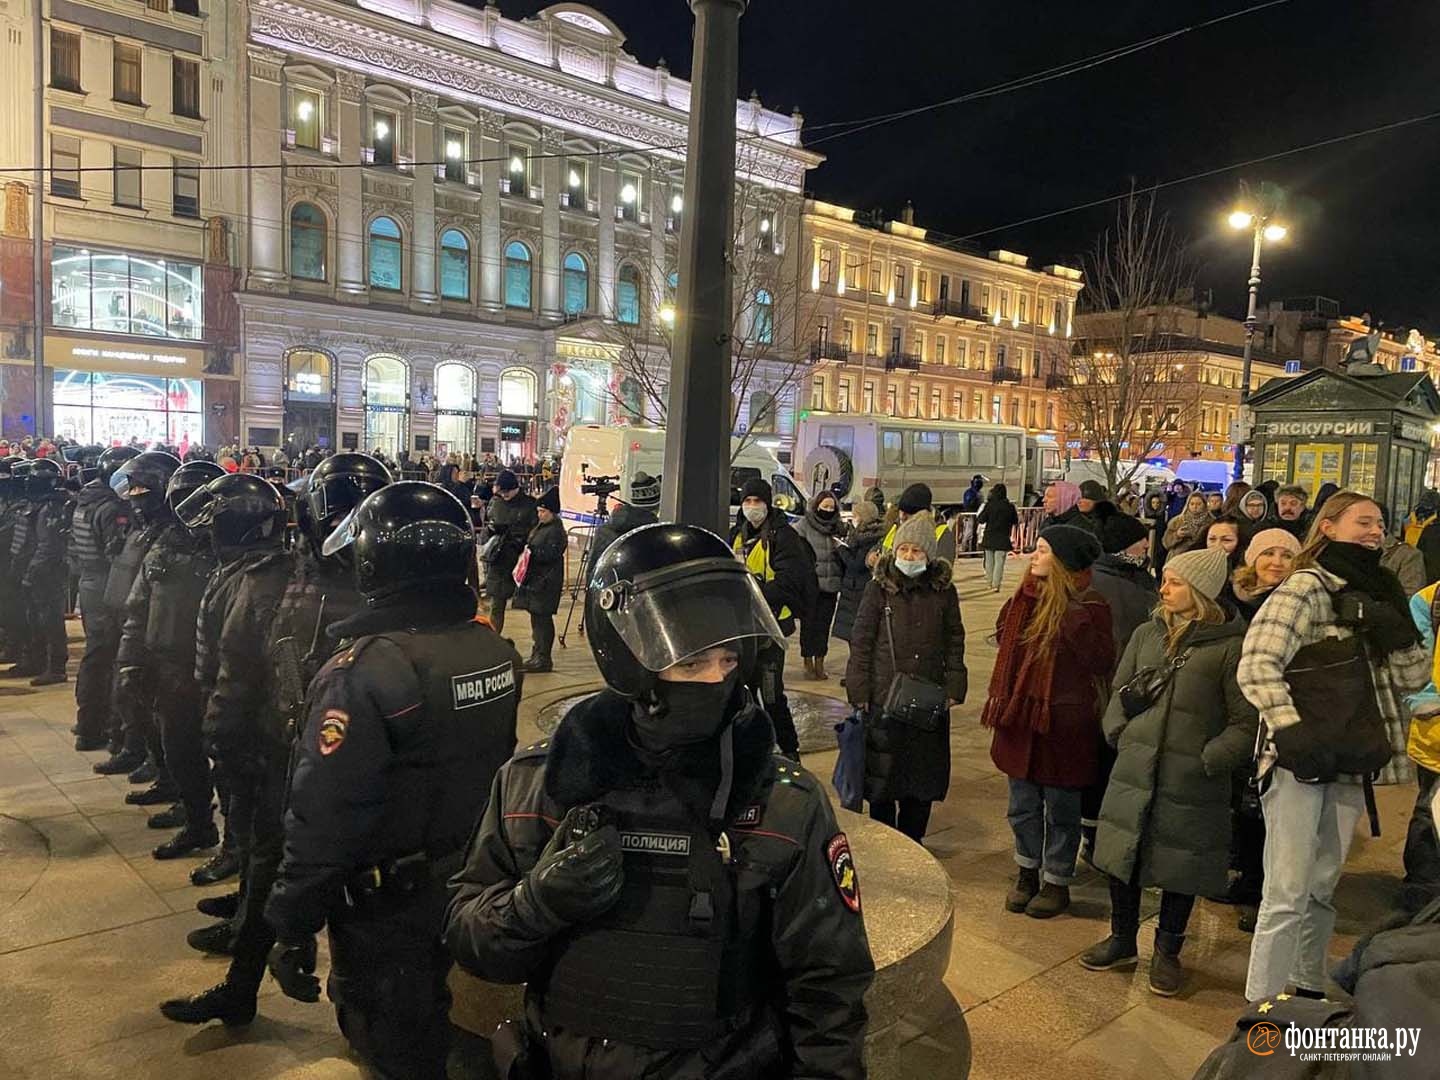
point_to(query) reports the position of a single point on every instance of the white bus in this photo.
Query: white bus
(848, 454)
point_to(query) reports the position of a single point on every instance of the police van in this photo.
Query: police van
(594, 451)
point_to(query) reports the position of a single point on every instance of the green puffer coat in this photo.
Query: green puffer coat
(1167, 808)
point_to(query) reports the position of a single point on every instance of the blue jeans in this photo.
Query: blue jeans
(1046, 824)
(1308, 829)
(995, 568)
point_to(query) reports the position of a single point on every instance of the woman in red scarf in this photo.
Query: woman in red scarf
(1056, 653)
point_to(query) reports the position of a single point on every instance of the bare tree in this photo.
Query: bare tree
(1127, 390)
(765, 331)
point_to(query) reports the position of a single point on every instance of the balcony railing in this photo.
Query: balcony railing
(1056, 381)
(902, 361)
(1005, 375)
(828, 350)
(955, 309)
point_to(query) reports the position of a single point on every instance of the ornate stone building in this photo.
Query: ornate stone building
(476, 224)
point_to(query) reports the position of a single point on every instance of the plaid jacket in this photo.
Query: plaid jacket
(1299, 613)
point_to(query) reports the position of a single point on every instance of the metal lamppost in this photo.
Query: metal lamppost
(697, 423)
(1264, 229)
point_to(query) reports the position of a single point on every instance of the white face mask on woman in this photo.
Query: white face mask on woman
(912, 567)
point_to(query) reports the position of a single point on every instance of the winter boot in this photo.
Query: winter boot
(223, 864)
(225, 1003)
(217, 939)
(1027, 884)
(1167, 977)
(161, 791)
(224, 906)
(173, 817)
(187, 841)
(1116, 951)
(1050, 901)
(147, 773)
(123, 762)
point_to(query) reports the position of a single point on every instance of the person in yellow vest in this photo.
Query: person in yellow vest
(1421, 516)
(918, 499)
(781, 562)
(1422, 852)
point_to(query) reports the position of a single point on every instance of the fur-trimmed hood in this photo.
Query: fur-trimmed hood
(939, 575)
(591, 754)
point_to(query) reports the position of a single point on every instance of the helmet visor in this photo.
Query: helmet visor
(666, 620)
(341, 493)
(197, 510)
(343, 535)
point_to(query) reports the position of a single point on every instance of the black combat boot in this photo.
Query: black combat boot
(188, 841)
(232, 1007)
(123, 762)
(223, 864)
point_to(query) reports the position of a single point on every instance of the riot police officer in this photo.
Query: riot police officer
(320, 594)
(657, 841)
(98, 531)
(12, 503)
(44, 573)
(135, 746)
(22, 547)
(156, 656)
(406, 729)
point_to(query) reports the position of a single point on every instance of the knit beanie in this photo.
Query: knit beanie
(1076, 548)
(550, 500)
(1118, 530)
(920, 531)
(1205, 569)
(644, 491)
(865, 512)
(506, 481)
(757, 488)
(1269, 538)
(915, 498)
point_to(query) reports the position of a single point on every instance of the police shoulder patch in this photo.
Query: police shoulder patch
(842, 869)
(484, 686)
(749, 815)
(333, 726)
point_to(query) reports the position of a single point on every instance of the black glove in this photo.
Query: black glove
(293, 965)
(575, 882)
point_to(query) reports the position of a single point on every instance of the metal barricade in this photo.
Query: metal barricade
(969, 532)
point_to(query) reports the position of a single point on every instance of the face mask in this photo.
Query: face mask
(826, 515)
(911, 567)
(688, 713)
(148, 504)
(756, 515)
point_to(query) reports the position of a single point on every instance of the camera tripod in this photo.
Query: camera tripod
(577, 588)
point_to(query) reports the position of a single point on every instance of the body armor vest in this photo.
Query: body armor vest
(85, 541)
(22, 541)
(670, 966)
(176, 568)
(127, 565)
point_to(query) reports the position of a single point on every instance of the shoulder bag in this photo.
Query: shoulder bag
(911, 699)
(1146, 685)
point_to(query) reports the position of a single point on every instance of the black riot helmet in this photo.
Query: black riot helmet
(12, 485)
(664, 592)
(407, 535)
(337, 486)
(88, 458)
(112, 459)
(142, 480)
(42, 476)
(188, 479)
(240, 510)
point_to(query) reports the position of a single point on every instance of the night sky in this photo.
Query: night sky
(1364, 215)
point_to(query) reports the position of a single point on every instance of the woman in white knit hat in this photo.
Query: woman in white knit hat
(1165, 821)
(1269, 559)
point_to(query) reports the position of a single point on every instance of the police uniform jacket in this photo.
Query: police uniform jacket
(795, 920)
(48, 565)
(126, 566)
(22, 538)
(406, 728)
(98, 528)
(159, 627)
(232, 662)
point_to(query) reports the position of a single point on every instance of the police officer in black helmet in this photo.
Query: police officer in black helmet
(657, 840)
(321, 593)
(407, 726)
(12, 503)
(43, 570)
(98, 531)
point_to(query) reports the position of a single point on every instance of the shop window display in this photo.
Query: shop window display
(110, 409)
(126, 294)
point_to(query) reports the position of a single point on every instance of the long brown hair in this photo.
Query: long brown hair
(1058, 590)
(1334, 508)
(1176, 625)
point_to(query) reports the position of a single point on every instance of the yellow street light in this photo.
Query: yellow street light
(1274, 233)
(1241, 219)
(667, 315)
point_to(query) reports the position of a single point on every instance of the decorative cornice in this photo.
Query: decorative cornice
(426, 104)
(351, 85)
(424, 57)
(266, 64)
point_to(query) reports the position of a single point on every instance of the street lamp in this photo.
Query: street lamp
(1264, 229)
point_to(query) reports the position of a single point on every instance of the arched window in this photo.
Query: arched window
(517, 275)
(387, 404)
(577, 284)
(454, 409)
(517, 392)
(764, 321)
(627, 296)
(385, 255)
(309, 418)
(454, 265)
(307, 242)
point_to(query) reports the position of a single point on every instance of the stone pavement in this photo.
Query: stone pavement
(92, 928)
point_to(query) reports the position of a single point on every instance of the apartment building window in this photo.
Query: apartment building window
(577, 184)
(964, 293)
(127, 176)
(872, 330)
(1020, 359)
(627, 296)
(842, 396)
(944, 287)
(1024, 310)
(1015, 411)
(1059, 318)
(185, 87)
(307, 242)
(939, 349)
(127, 73)
(922, 286)
(817, 393)
(937, 400)
(961, 360)
(454, 265)
(895, 341)
(305, 119)
(517, 275)
(518, 169)
(766, 233)
(997, 407)
(891, 396)
(917, 343)
(386, 255)
(984, 299)
(957, 403)
(899, 279)
(65, 166)
(64, 60)
(980, 356)
(382, 137)
(764, 322)
(576, 279)
(1050, 416)
(1004, 303)
(1033, 410)
(822, 330)
(977, 406)
(847, 334)
(852, 271)
(999, 356)
(455, 155)
(185, 196)
(877, 277)
(827, 265)
(631, 196)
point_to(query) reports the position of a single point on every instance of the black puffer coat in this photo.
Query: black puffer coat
(822, 536)
(902, 761)
(539, 593)
(1129, 590)
(1167, 810)
(856, 576)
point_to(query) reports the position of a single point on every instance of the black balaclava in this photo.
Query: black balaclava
(150, 505)
(672, 728)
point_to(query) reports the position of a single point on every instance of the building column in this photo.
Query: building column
(351, 281)
(551, 146)
(423, 293)
(609, 197)
(490, 264)
(659, 184)
(267, 195)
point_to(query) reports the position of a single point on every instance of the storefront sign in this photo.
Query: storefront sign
(1412, 431)
(141, 357)
(513, 430)
(1307, 428)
